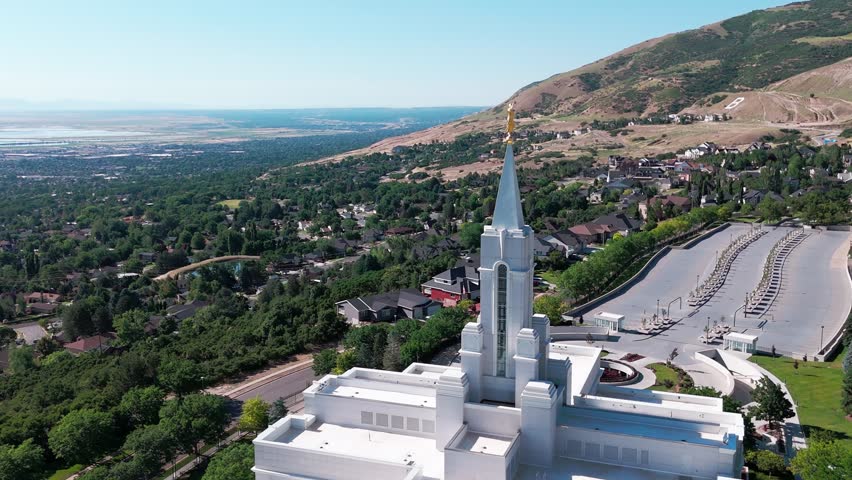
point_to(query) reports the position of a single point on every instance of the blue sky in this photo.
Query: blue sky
(283, 54)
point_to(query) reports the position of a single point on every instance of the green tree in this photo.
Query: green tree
(97, 473)
(232, 463)
(469, 234)
(767, 462)
(22, 462)
(823, 461)
(198, 242)
(141, 405)
(7, 336)
(193, 419)
(21, 360)
(773, 405)
(325, 361)
(255, 416)
(82, 436)
(130, 326)
(152, 446)
(550, 305)
(846, 391)
(180, 376)
(278, 410)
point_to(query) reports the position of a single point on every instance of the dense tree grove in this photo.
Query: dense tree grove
(99, 243)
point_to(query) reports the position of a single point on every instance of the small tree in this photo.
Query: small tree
(672, 356)
(180, 376)
(590, 339)
(773, 405)
(255, 416)
(324, 361)
(278, 410)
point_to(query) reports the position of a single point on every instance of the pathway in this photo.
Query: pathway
(192, 266)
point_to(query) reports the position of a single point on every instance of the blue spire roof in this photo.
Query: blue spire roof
(507, 210)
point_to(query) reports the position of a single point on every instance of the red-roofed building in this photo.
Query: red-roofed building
(42, 297)
(90, 344)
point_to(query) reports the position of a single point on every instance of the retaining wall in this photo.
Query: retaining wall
(652, 262)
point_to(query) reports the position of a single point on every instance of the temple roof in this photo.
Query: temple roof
(507, 211)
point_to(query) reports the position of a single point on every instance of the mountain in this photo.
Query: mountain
(670, 73)
(791, 65)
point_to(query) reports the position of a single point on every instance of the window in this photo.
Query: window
(501, 320)
(428, 426)
(645, 460)
(367, 418)
(397, 422)
(611, 453)
(628, 455)
(382, 419)
(412, 424)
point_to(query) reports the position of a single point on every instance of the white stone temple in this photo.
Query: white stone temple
(519, 407)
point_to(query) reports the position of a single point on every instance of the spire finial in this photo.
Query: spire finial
(510, 123)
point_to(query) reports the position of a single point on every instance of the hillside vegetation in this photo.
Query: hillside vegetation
(668, 74)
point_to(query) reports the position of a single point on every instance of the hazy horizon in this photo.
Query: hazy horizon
(272, 55)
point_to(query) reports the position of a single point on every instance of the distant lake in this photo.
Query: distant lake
(15, 133)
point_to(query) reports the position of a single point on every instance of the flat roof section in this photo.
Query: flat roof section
(368, 444)
(484, 443)
(639, 426)
(379, 395)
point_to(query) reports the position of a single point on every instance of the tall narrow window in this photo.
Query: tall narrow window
(501, 321)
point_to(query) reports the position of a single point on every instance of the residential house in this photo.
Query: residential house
(453, 285)
(186, 310)
(591, 233)
(619, 223)
(42, 297)
(387, 307)
(754, 197)
(566, 242)
(674, 202)
(101, 343)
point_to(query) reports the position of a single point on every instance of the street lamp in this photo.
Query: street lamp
(697, 277)
(658, 307)
(821, 329)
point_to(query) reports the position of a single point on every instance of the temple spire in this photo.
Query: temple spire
(507, 211)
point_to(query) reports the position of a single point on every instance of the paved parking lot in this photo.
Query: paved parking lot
(815, 291)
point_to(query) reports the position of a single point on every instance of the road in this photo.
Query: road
(228, 258)
(289, 387)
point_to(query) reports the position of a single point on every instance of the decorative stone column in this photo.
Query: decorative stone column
(539, 405)
(471, 359)
(527, 361)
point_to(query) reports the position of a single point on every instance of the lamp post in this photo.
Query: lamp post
(697, 277)
(821, 329)
(658, 307)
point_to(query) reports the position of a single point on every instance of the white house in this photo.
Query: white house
(519, 407)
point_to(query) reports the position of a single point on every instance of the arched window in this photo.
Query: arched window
(501, 320)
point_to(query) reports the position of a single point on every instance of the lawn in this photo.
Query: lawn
(663, 373)
(66, 472)
(231, 204)
(815, 387)
(550, 276)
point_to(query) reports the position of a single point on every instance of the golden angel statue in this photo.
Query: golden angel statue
(510, 123)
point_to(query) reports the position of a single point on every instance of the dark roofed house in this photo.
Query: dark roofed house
(566, 242)
(182, 312)
(41, 308)
(453, 285)
(754, 197)
(387, 307)
(399, 231)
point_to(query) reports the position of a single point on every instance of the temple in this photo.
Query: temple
(517, 407)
